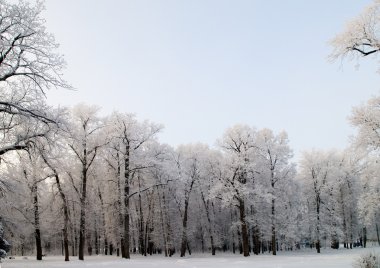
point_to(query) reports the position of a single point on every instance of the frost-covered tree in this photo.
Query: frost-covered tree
(322, 175)
(29, 65)
(84, 141)
(366, 118)
(51, 155)
(274, 167)
(235, 184)
(369, 200)
(31, 176)
(211, 170)
(361, 37)
(130, 139)
(188, 160)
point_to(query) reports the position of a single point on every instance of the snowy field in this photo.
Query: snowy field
(329, 258)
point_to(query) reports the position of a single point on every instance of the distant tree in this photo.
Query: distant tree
(211, 168)
(276, 169)
(129, 139)
(30, 175)
(349, 193)
(366, 118)
(369, 199)
(236, 183)
(52, 157)
(188, 160)
(319, 173)
(84, 141)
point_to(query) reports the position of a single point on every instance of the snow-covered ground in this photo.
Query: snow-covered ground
(329, 258)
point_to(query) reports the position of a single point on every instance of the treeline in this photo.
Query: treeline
(106, 185)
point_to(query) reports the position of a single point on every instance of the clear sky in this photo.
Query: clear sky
(200, 66)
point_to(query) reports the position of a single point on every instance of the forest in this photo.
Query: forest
(77, 182)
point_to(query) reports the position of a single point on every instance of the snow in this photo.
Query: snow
(329, 258)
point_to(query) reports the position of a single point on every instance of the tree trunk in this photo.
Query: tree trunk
(209, 224)
(74, 237)
(37, 231)
(96, 240)
(169, 233)
(318, 241)
(65, 209)
(142, 245)
(104, 223)
(274, 251)
(377, 233)
(256, 240)
(184, 229)
(119, 209)
(163, 224)
(65, 231)
(82, 222)
(244, 229)
(184, 222)
(125, 250)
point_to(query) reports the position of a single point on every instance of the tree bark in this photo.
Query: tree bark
(184, 221)
(274, 251)
(125, 250)
(244, 229)
(82, 221)
(104, 223)
(37, 231)
(142, 245)
(184, 229)
(318, 242)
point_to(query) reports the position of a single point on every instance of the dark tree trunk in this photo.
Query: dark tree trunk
(37, 231)
(104, 223)
(318, 241)
(164, 237)
(185, 215)
(207, 209)
(82, 221)
(244, 229)
(73, 233)
(96, 241)
(65, 231)
(142, 245)
(184, 229)
(119, 209)
(111, 249)
(65, 210)
(274, 251)
(256, 240)
(169, 233)
(125, 250)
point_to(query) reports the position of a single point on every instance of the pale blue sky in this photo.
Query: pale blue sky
(200, 66)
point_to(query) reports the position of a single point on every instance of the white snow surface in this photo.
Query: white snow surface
(309, 259)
